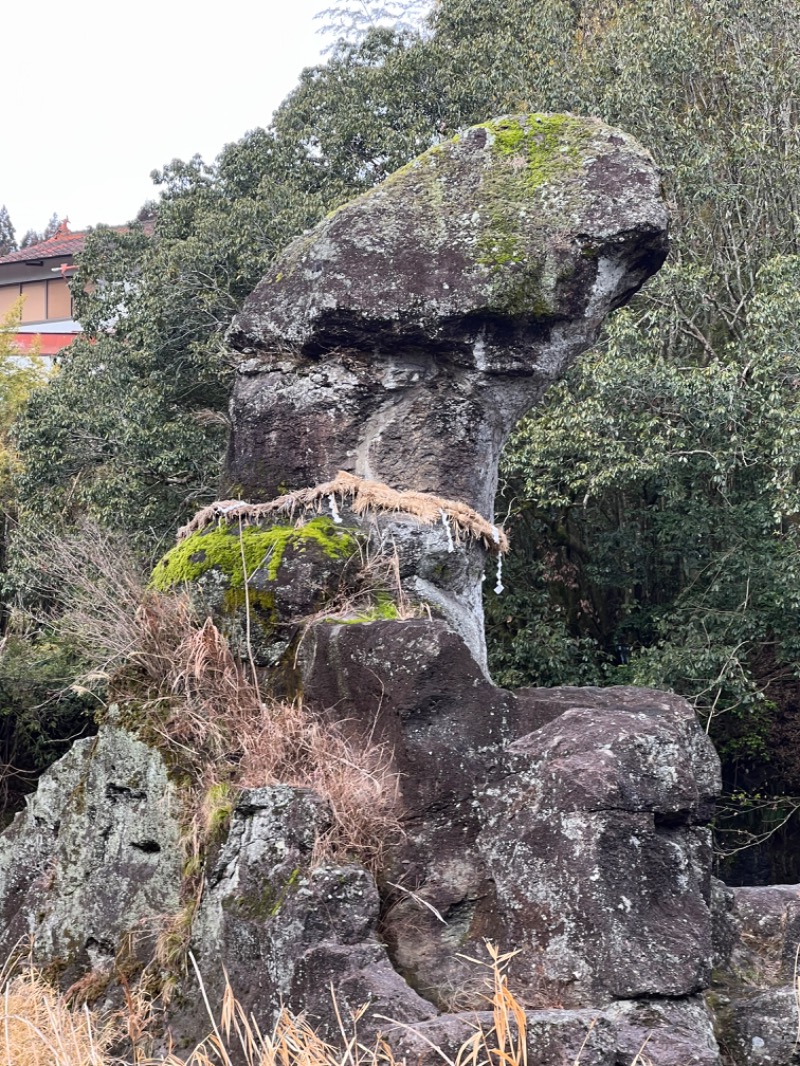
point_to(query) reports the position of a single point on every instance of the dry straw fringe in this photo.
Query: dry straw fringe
(365, 497)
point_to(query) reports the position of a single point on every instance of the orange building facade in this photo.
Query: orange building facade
(40, 275)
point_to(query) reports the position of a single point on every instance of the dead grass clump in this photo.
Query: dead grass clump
(39, 1028)
(290, 746)
(211, 716)
(365, 497)
(236, 1037)
(203, 707)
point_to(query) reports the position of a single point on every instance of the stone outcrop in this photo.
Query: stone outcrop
(93, 864)
(404, 336)
(512, 804)
(571, 823)
(287, 929)
(601, 851)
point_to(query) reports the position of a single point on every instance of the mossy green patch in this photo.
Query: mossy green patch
(529, 154)
(384, 609)
(222, 549)
(544, 147)
(265, 902)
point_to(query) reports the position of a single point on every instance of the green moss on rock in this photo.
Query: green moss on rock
(221, 549)
(546, 146)
(384, 609)
(530, 153)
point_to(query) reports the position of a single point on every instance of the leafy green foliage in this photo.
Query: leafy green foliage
(669, 495)
(41, 713)
(19, 377)
(351, 20)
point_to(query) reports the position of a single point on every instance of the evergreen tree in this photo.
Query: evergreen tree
(51, 229)
(8, 241)
(33, 236)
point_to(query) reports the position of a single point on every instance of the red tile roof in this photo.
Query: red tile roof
(59, 246)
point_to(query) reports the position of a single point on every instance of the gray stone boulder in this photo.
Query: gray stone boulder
(403, 337)
(583, 842)
(93, 864)
(628, 1033)
(554, 1038)
(600, 851)
(759, 1028)
(755, 995)
(665, 1032)
(288, 929)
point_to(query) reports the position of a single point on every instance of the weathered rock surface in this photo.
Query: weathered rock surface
(584, 842)
(93, 859)
(403, 337)
(665, 1032)
(554, 1038)
(577, 779)
(755, 998)
(286, 931)
(603, 874)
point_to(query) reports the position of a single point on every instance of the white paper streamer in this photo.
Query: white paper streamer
(499, 586)
(337, 518)
(450, 545)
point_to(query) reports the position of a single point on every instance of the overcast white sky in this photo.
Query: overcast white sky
(99, 92)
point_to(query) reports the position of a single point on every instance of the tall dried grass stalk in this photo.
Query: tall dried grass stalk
(365, 497)
(39, 1028)
(207, 713)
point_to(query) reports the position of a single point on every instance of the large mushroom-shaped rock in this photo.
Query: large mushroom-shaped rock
(402, 338)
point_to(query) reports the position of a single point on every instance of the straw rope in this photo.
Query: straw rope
(365, 497)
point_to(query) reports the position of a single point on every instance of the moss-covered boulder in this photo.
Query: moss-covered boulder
(282, 573)
(403, 337)
(509, 218)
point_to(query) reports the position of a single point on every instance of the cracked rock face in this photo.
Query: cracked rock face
(404, 336)
(286, 930)
(94, 858)
(757, 938)
(570, 823)
(600, 850)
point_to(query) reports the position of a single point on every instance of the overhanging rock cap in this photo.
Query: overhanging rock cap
(531, 218)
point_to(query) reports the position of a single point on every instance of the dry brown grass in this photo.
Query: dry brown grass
(177, 680)
(42, 1027)
(365, 497)
(39, 1028)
